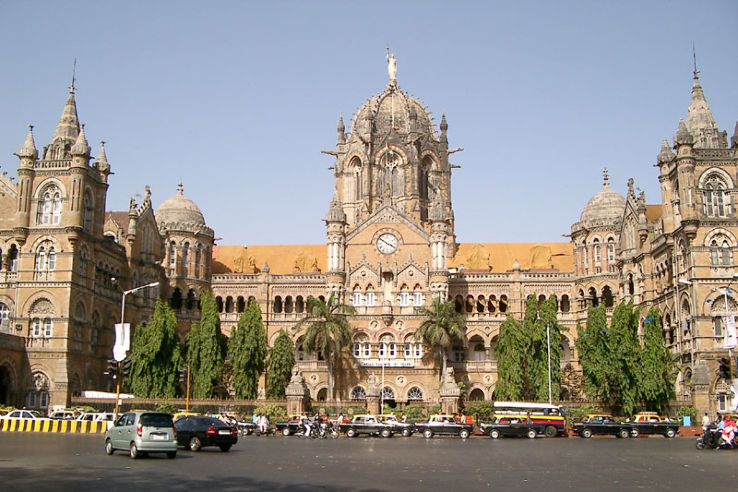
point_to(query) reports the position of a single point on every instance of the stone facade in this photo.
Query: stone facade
(390, 248)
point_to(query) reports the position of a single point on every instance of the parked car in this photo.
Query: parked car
(511, 428)
(196, 432)
(291, 425)
(22, 414)
(652, 423)
(63, 415)
(143, 432)
(444, 424)
(405, 428)
(602, 424)
(105, 417)
(366, 424)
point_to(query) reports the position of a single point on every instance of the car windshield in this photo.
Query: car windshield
(35, 413)
(156, 420)
(207, 421)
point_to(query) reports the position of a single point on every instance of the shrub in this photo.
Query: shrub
(480, 409)
(578, 413)
(687, 411)
(166, 407)
(271, 411)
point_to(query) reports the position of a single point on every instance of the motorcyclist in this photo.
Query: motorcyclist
(306, 424)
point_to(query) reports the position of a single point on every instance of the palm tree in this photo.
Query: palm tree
(328, 330)
(443, 326)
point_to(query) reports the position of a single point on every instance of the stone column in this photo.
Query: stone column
(298, 396)
(372, 395)
(450, 393)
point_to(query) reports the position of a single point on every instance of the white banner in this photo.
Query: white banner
(122, 341)
(386, 363)
(730, 341)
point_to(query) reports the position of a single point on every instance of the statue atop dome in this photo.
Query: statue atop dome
(391, 67)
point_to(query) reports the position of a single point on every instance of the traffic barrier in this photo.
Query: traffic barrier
(53, 426)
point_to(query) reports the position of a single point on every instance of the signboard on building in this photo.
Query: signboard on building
(386, 363)
(730, 341)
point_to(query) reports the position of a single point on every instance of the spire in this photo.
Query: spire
(335, 210)
(700, 121)
(444, 127)
(29, 146)
(68, 128)
(102, 158)
(666, 155)
(734, 138)
(683, 136)
(80, 146)
(341, 129)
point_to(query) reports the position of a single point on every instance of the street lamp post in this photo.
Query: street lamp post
(122, 322)
(548, 345)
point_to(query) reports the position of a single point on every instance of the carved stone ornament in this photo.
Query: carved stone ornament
(297, 376)
(449, 376)
(42, 306)
(40, 381)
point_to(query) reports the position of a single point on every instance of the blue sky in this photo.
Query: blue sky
(237, 99)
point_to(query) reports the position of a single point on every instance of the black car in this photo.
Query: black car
(444, 424)
(602, 424)
(511, 428)
(195, 432)
(652, 423)
(366, 424)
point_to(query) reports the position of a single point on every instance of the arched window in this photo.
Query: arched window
(459, 303)
(388, 393)
(371, 296)
(278, 304)
(219, 304)
(288, 305)
(240, 304)
(175, 302)
(95, 330)
(4, 317)
(299, 304)
(414, 394)
(491, 304)
(358, 393)
(185, 259)
(716, 200)
(362, 348)
(40, 264)
(503, 303)
(480, 304)
(190, 301)
(198, 259)
(404, 296)
(88, 211)
(418, 296)
(356, 297)
(13, 258)
(387, 347)
(229, 304)
(597, 252)
(41, 328)
(565, 304)
(49, 207)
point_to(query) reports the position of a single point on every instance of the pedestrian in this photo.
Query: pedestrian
(705, 421)
(404, 418)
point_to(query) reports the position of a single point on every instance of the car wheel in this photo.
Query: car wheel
(531, 434)
(109, 447)
(495, 434)
(428, 433)
(225, 447)
(586, 433)
(134, 451)
(464, 434)
(635, 433)
(550, 431)
(669, 433)
(623, 433)
(286, 431)
(195, 444)
(351, 433)
(171, 454)
(386, 433)
(406, 433)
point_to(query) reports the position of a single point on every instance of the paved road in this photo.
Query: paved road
(78, 462)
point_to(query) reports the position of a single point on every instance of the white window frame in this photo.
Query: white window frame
(418, 298)
(404, 298)
(356, 299)
(371, 299)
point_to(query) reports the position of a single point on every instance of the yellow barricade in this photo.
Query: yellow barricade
(53, 426)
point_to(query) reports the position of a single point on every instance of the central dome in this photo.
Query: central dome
(179, 212)
(605, 207)
(393, 109)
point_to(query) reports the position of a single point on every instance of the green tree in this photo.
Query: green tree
(441, 328)
(511, 367)
(545, 332)
(205, 350)
(593, 353)
(622, 358)
(156, 355)
(281, 361)
(247, 350)
(328, 330)
(657, 365)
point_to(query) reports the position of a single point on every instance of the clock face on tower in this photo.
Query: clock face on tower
(387, 243)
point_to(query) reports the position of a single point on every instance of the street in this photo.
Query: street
(78, 462)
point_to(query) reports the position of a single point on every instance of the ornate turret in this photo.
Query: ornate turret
(341, 130)
(81, 148)
(335, 221)
(683, 136)
(700, 121)
(28, 150)
(66, 133)
(666, 155)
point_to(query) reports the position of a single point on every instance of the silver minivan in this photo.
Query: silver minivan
(142, 432)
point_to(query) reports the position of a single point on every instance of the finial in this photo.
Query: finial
(180, 188)
(74, 72)
(694, 57)
(605, 178)
(391, 67)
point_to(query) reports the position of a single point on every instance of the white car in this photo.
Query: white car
(23, 414)
(106, 417)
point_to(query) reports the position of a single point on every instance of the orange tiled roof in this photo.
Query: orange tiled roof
(499, 257)
(282, 259)
(120, 218)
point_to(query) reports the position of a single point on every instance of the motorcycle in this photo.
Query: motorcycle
(714, 439)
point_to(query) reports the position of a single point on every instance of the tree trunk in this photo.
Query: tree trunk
(329, 359)
(442, 353)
